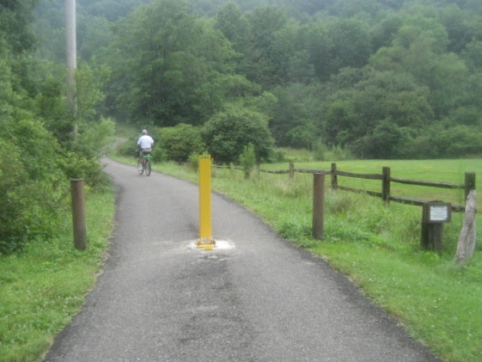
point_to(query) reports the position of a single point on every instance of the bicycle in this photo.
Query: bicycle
(144, 164)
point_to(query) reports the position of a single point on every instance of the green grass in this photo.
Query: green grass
(44, 286)
(378, 247)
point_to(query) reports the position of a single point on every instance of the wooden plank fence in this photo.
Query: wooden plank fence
(386, 180)
(432, 232)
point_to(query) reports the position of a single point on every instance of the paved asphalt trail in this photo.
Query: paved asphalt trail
(159, 299)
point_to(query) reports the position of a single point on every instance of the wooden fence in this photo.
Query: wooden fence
(385, 183)
(432, 230)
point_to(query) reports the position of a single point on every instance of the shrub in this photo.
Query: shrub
(319, 151)
(248, 160)
(193, 162)
(32, 184)
(227, 134)
(181, 141)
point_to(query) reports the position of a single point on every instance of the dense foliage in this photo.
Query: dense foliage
(391, 79)
(38, 150)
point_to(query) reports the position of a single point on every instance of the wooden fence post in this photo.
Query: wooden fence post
(469, 183)
(467, 238)
(334, 177)
(292, 170)
(78, 213)
(386, 185)
(318, 228)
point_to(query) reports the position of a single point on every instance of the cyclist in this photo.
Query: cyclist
(144, 145)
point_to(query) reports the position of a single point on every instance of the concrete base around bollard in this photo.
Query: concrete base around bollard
(206, 244)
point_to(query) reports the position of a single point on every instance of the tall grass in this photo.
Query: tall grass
(379, 247)
(44, 286)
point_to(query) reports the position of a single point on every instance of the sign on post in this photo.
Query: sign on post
(435, 214)
(438, 212)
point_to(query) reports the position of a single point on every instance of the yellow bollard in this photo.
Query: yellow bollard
(206, 240)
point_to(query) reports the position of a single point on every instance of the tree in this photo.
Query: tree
(264, 23)
(294, 115)
(385, 31)
(342, 43)
(290, 56)
(227, 133)
(98, 35)
(232, 23)
(353, 116)
(419, 49)
(15, 19)
(472, 55)
(169, 67)
(387, 140)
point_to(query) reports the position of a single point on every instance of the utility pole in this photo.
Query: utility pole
(71, 56)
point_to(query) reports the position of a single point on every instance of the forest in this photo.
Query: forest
(381, 79)
(390, 79)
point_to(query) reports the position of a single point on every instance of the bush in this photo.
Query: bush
(193, 162)
(319, 151)
(248, 160)
(180, 142)
(338, 153)
(32, 184)
(227, 134)
(128, 148)
(278, 156)
(438, 142)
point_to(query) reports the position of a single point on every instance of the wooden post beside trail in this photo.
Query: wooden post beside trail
(467, 238)
(318, 228)
(78, 214)
(469, 183)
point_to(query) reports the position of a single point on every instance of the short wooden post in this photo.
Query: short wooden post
(467, 238)
(469, 183)
(318, 226)
(292, 170)
(78, 213)
(334, 177)
(386, 185)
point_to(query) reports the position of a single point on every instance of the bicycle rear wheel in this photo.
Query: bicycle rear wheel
(140, 167)
(148, 167)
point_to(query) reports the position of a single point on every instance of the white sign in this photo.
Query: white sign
(439, 213)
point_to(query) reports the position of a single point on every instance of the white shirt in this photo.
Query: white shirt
(145, 141)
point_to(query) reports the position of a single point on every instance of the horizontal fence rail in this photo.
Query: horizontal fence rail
(386, 180)
(435, 212)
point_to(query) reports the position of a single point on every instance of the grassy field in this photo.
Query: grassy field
(378, 247)
(44, 286)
